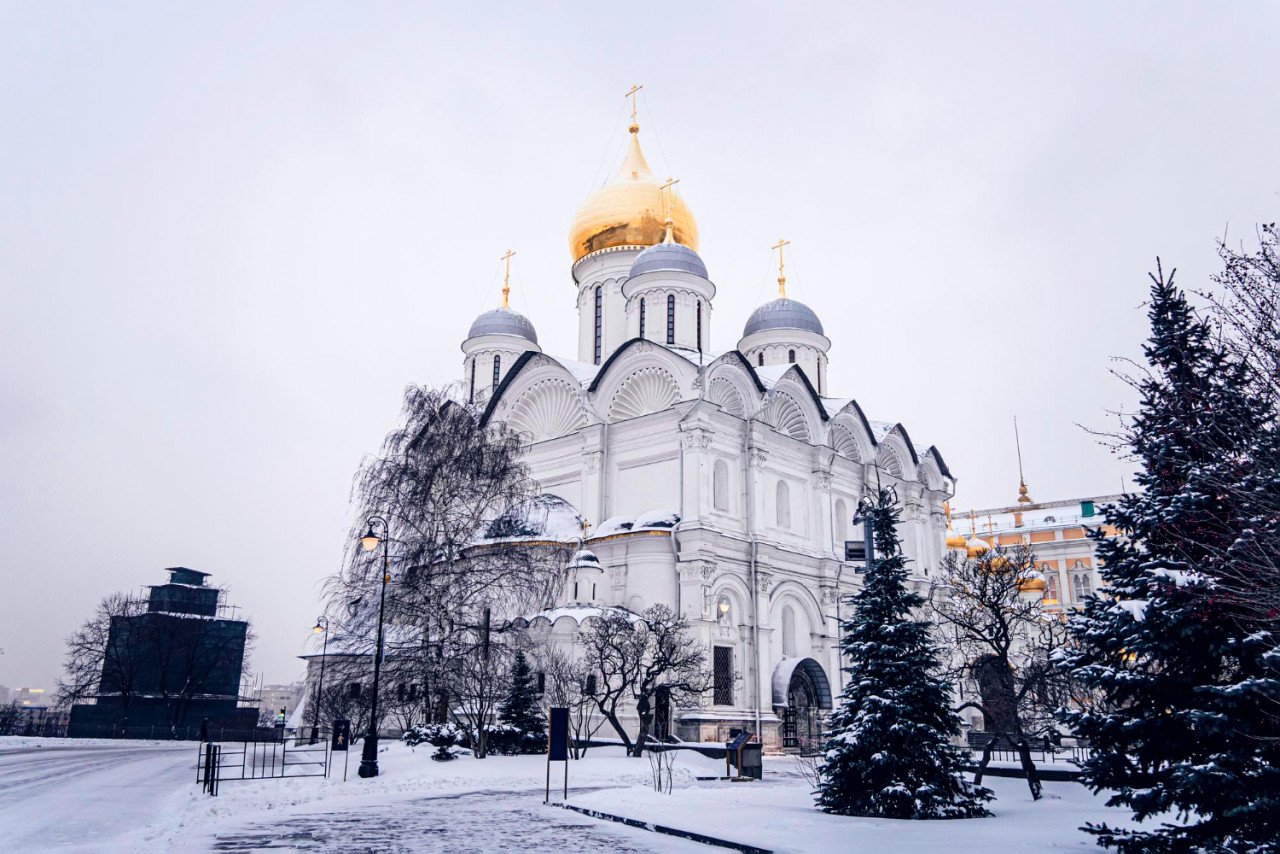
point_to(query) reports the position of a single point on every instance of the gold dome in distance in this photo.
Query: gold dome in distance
(630, 210)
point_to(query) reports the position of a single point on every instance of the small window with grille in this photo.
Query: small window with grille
(599, 322)
(722, 681)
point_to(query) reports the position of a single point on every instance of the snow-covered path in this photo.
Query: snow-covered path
(82, 797)
(447, 824)
(120, 796)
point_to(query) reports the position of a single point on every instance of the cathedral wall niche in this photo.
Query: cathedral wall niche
(650, 484)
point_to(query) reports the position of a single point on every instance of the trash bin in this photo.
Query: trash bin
(752, 760)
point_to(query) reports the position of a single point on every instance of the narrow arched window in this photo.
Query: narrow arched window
(671, 320)
(599, 320)
(819, 379)
(1051, 586)
(699, 326)
(471, 395)
(497, 370)
(720, 485)
(788, 631)
(791, 356)
(783, 496)
(642, 317)
(842, 526)
(761, 359)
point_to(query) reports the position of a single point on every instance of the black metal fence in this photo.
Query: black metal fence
(1004, 750)
(264, 759)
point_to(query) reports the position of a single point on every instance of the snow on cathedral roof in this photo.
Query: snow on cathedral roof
(541, 518)
(648, 521)
(880, 429)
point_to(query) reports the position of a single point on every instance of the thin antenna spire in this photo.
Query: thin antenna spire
(1023, 497)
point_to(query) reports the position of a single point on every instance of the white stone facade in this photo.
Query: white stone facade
(763, 472)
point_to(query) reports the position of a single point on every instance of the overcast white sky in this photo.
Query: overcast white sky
(230, 235)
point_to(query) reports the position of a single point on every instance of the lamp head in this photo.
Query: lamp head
(723, 605)
(370, 540)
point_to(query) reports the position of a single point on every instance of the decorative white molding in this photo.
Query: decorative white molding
(650, 389)
(696, 437)
(786, 416)
(546, 410)
(721, 392)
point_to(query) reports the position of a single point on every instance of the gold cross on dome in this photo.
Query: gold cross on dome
(631, 93)
(666, 201)
(782, 280)
(506, 278)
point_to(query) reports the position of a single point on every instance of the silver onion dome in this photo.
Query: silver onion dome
(669, 256)
(503, 321)
(782, 313)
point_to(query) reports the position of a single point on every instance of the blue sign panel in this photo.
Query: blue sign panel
(558, 736)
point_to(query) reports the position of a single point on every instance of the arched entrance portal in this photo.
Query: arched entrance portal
(801, 699)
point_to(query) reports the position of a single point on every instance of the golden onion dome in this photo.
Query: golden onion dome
(956, 541)
(630, 210)
(1032, 585)
(977, 547)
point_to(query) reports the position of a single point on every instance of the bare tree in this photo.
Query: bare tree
(98, 660)
(638, 656)
(479, 674)
(567, 681)
(463, 521)
(1244, 559)
(1004, 642)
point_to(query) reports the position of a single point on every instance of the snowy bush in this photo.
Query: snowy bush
(441, 736)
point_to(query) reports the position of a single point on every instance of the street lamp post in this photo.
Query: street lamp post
(322, 625)
(369, 757)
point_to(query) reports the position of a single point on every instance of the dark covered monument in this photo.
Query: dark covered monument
(170, 662)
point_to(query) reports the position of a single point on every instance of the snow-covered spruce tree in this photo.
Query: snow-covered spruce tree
(889, 753)
(1188, 720)
(521, 710)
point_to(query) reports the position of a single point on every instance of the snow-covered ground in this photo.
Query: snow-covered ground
(59, 795)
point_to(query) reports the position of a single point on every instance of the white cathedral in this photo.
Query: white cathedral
(721, 483)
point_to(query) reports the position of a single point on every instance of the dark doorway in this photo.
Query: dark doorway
(662, 714)
(802, 717)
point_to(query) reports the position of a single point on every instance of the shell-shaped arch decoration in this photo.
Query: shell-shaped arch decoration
(721, 392)
(547, 410)
(647, 390)
(844, 443)
(890, 461)
(788, 418)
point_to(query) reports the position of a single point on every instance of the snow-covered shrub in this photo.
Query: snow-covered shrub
(437, 735)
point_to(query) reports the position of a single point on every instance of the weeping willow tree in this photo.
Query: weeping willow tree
(469, 546)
